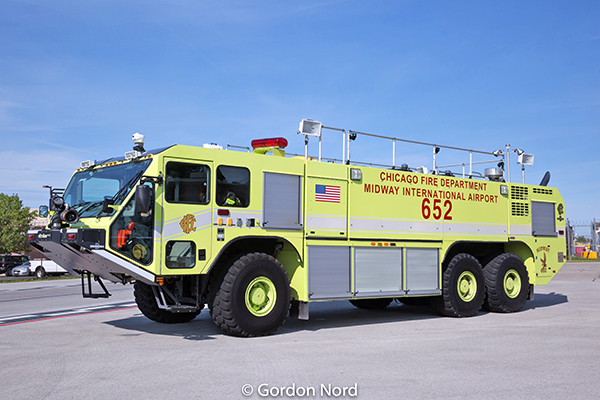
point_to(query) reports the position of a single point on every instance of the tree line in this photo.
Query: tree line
(14, 224)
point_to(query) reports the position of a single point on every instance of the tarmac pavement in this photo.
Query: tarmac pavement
(549, 350)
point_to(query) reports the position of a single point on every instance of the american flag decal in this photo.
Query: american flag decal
(327, 193)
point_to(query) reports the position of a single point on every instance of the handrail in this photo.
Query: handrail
(314, 128)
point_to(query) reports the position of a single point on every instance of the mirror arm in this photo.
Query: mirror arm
(156, 180)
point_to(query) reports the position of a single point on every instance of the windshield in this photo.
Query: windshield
(87, 189)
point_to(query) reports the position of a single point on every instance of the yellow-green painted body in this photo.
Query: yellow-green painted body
(387, 209)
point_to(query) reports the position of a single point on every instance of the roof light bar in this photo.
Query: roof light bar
(278, 143)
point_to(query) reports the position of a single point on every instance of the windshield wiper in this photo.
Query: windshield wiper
(121, 193)
(88, 205)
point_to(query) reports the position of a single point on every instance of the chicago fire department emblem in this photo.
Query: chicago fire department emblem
(188, 223)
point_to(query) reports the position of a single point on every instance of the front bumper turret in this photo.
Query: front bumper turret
(83, 250)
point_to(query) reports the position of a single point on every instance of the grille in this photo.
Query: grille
(520, 209)
(519, 193)
(542, 191)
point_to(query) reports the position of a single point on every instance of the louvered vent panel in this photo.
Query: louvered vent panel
(519, 193)
(520, 209)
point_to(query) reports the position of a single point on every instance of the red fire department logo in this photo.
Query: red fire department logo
(188, 223)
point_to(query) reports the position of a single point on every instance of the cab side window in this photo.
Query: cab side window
(187, 183)
(233, 186)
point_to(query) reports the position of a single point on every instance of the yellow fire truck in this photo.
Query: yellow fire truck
(259, 234)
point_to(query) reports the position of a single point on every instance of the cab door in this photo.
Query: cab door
(186, 216)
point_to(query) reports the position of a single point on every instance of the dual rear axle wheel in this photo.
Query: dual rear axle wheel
(501, 286)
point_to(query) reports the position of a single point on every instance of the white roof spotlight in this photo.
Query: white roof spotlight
(138, 146)
(138, 141)
(524, 159)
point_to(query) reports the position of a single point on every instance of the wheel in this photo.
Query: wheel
(463, 288)
(507, 284)
(146, 302)
(414, 301)
(254, 297)
(40, 272)
(9, 272)
(371, 304)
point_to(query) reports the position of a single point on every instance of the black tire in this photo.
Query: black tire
(254, 297)
(507, 284)
(9, 271)
(414, 301)
(40, 272)
(371, 304)
(463, 288)
(146, 302)
(216, 279)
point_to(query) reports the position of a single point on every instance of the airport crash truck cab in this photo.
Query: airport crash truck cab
(259, 235)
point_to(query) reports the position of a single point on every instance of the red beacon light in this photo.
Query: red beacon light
(278, 143)
(273, 145)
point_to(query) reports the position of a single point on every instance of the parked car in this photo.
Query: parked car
(41, 267)
(22, 270)
(8, 261)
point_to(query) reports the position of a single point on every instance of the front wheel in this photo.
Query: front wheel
(507, 284)
(146, 302)
(254, 297)
(463, 288)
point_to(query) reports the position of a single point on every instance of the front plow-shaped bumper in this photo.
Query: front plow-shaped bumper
(83, 250)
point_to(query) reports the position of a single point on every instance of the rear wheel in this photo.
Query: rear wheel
(254, 297)
(146, 302)
(507, 283)
(40, 272)
(371, 304)
(463, 288)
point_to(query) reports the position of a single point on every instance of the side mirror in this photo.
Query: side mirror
(105, 205)
(43, 211)
(143, 195)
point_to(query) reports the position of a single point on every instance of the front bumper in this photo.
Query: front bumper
(83, 250)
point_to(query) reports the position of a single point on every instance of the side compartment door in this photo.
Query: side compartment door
(326, 207)
(186, 216)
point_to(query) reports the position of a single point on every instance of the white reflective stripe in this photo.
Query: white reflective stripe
(177, 219)
(325, 222)
(172, 228)
(157, 232)
(125, 265)
(394, 226)
(414, 226)
(454, 228)
(521, 230)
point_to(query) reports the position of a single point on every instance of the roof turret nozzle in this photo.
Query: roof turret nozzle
(138, 141)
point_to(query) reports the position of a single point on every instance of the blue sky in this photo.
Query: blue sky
(78, 78)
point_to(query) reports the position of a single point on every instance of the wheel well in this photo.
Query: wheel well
(244, 245)
(484, 252)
